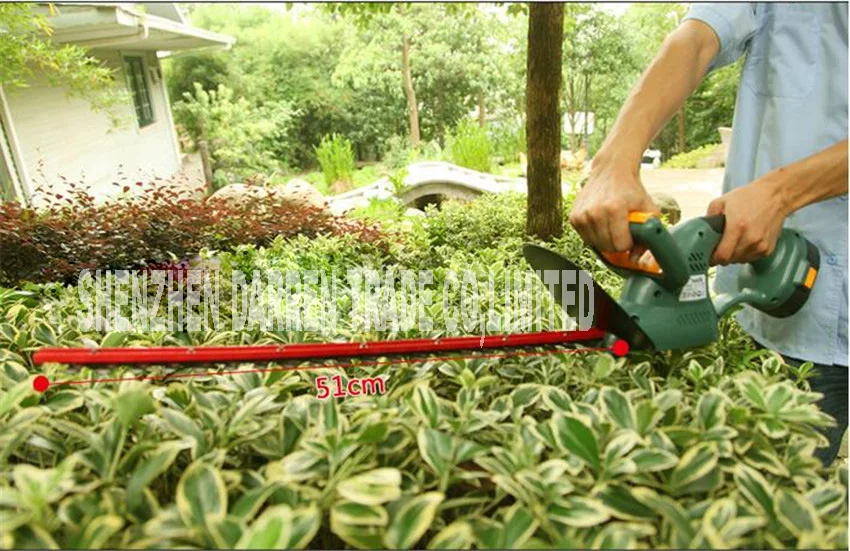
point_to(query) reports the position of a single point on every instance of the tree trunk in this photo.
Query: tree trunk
(206, 164)
(412, 107)
(586, 109)
(482, 116)
(543, 120)
(680, 145)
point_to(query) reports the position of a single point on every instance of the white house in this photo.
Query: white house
(45, 134)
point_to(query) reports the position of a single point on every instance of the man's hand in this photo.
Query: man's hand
(755, 213)
(600, 212)
(754, 217)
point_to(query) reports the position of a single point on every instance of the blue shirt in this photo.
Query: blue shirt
(792, 103)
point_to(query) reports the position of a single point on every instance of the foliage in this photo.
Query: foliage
(470, 146)
(237, 133)
(153, 224)
(692, 158)
(712, 103)
(385, 211)
(397, 152)
(704, 448)
(26, 48)
(508, 140)
(596, 47)
(336, 158)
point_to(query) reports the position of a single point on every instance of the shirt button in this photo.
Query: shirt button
(831, 260)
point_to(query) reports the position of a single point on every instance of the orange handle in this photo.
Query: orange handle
(647, 263)
(624, 260)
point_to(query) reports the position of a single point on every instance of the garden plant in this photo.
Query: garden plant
(708, 448)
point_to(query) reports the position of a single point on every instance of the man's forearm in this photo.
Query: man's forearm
(815, 178)
(671, 77)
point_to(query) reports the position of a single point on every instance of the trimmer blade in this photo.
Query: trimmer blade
(608, 315)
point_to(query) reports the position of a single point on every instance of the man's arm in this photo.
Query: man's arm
(614, 189)
(755, 212)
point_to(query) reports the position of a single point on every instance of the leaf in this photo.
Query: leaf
(11, 398)
(650, 460)
(412, 520)
(131, 405)
(145, 473)
(826, 498)
(574, 436)
(201, 495)
(457, 535)
(373, 487)
(519, 525)
(358, 514)
(113, 339)
(754, 487)
(672, 512)
(426, 405)
(43, 486)
(604, 366)
(796, 513)
(623, 504)
(710, 410)
(251, 501)
(619, 408)
(281, 527)
(436, 449)
(185, 427)
(580, 512)
(696, 463)
(753, 392)
(98, 531)
(271, 531)
(668, 399)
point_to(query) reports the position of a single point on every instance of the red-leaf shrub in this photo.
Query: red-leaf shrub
(72, 232)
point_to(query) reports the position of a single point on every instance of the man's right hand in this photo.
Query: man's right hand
(600, 212)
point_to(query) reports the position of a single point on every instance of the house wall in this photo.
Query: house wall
(62, 136)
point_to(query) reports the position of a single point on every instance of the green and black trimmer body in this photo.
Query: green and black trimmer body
(665, 304)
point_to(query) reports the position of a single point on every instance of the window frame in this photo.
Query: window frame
(128, 61)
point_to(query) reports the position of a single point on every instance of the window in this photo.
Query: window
(139, 88)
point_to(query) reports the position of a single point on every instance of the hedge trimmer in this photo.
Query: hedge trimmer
(665, 304)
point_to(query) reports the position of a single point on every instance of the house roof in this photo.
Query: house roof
(126, 25)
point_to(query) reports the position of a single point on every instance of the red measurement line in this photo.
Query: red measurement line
(41, 382)
(305, 351)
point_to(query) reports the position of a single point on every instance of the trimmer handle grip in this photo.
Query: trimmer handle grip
(669, 267)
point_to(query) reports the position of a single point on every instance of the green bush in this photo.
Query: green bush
(336, 157)
(470, 146)
(691, 159)
(397, 152)
(508, 141)
(706, 448)
(240, 137)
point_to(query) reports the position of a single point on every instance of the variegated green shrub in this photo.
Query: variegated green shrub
(706, 448)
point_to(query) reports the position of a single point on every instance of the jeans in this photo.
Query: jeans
(831, 381)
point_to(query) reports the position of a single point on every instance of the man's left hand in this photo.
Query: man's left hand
(754, 217)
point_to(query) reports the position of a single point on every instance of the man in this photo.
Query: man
(787, 164)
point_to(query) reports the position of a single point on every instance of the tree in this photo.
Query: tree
(651, 23)
(543, 120)
(25, 47)
(595, 46)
